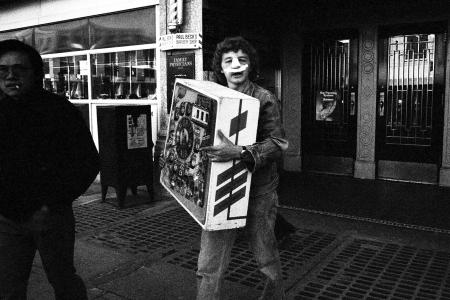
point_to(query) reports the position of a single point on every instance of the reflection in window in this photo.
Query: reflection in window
(23, 35)
(122, 29)
(67, 76)
(124, 75)
(62, 37)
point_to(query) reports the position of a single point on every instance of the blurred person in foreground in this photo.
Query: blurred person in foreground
(47, 160)
(235, 65)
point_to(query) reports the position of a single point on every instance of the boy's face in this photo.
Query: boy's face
(236, 68)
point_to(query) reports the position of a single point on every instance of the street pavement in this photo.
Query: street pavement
(149, 249)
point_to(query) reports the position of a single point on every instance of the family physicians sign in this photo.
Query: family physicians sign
(180, 41)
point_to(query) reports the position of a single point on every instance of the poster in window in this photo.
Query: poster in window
(136, 131)
(180, 65)
(328, 105)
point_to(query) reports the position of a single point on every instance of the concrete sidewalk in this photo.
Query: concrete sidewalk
(149, 251)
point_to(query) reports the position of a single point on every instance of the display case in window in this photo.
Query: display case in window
(124, 75)
(67, 76)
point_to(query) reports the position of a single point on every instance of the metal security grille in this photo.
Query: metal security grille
(305, 249)
(147, 233)
(97, 214)
(365, 269)
(329, 72)
(409, 91)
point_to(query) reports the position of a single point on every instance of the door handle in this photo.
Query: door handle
(352, 103)
(381, 105)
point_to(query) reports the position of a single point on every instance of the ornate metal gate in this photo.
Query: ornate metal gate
(410, 98)
(329, 98)
(409, 94)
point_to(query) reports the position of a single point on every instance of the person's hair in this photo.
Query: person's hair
(33, 55)
(234, 44)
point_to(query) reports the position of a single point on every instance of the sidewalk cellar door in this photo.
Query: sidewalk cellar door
(410, 105)
(329, 103)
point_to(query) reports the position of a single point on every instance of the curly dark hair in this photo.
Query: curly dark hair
(32, 54)
(234, 44)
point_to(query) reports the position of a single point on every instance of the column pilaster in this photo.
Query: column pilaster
(367, 88)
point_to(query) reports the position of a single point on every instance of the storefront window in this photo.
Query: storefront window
(124, 75)
(67, 76)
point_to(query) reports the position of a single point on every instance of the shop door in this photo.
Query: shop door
(329, 104)
(410, 106)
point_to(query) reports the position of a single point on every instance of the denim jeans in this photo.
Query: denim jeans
(216, 248)
(55, 243)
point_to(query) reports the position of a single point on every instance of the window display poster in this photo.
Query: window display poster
(137, 131)
(180, 65)
(327, 106)
(84, 69)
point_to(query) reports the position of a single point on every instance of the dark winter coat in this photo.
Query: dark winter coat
(47, 155)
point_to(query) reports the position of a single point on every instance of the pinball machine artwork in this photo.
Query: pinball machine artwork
(215, 194)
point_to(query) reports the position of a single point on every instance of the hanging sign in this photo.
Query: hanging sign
(180, 41)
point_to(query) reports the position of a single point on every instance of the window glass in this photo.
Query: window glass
(417, 45)
(67, 76)
(123, 29)
(115, 30)
(62, 37)
(124, 75)
(24, 35)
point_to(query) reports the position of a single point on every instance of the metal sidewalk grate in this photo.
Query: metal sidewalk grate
(305, 246)
(364, 269)
(146, 233)
(97, 214)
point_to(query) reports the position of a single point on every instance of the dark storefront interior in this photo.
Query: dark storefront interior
(329, 32)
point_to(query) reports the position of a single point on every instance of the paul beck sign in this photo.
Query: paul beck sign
(180, 41)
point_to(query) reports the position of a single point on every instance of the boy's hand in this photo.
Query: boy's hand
(225, 151)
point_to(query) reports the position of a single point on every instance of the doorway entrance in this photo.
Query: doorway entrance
(329, 84)
(410, 104)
